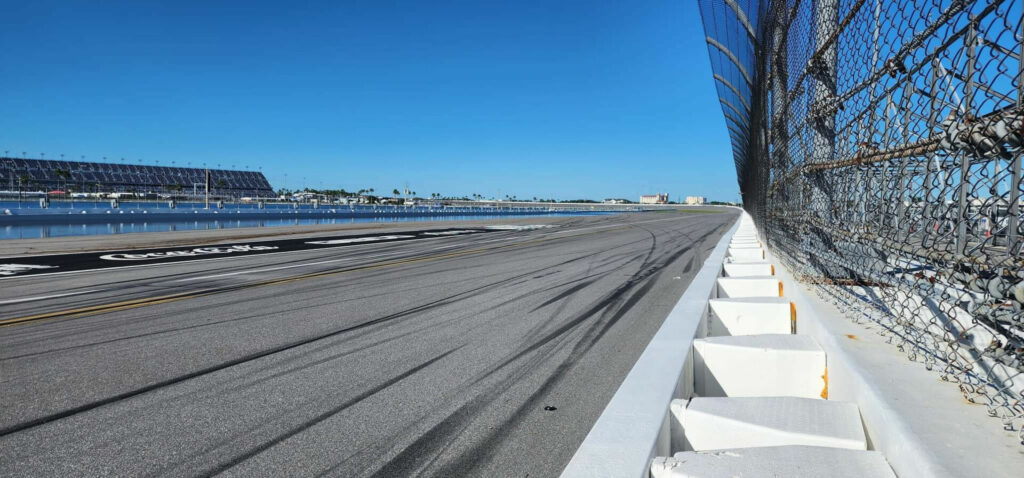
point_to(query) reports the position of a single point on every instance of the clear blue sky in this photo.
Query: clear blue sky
(534, 98)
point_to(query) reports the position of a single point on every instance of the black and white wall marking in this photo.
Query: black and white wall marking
(37, 265)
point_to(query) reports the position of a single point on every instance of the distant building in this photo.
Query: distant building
(616, 201)
(696, 200)
(308, 196)
(654, 199)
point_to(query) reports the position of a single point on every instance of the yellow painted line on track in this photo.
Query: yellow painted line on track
(115, 306)
(144, 302)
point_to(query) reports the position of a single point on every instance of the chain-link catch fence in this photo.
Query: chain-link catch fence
(878, 146)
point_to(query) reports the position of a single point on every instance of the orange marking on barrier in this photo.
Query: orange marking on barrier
(792, 317)
(824, 391)
(780, 288)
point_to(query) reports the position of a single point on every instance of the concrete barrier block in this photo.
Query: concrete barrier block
(779, 461)
(771, 365)
(754, 254)
(749, 287)
(746, 269)
(751, 316)
(712, 423)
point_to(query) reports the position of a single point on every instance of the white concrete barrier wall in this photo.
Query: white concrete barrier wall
(879, 394)
(783, 461)
(746, 254)
(737, 287)
(759, 366)
(746, 269)
(751, 316)
(637, 424)
(634, 427)
(712, 423)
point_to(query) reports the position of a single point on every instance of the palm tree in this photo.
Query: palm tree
(396, 192)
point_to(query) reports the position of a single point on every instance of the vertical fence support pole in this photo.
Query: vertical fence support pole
(965, 157)
(930, 159)
(882, 208)
(906, 174)
(823, 146)
(887, 139)
(826, 23)
(1013, 209)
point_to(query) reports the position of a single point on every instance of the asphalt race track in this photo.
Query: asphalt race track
(463, 354)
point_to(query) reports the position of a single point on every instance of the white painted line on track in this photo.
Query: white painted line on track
(43, 297)
(450, 233)
(358, 240)
(267, 269)
(212, 259)
(305, 264)
(228, 258)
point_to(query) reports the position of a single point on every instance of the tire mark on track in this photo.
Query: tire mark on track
(258, 355)
(305, 425)
(470, 458)
(429, 446)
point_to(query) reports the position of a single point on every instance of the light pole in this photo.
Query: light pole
(207, 181)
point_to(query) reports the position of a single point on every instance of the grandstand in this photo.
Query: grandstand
(17, 174)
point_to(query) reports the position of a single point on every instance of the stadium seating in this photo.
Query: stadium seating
(109, 177)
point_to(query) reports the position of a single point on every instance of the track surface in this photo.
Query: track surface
(432, 357)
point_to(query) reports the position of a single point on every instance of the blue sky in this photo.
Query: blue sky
(572, 99)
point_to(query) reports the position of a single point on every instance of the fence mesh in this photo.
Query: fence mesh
(878, 146)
